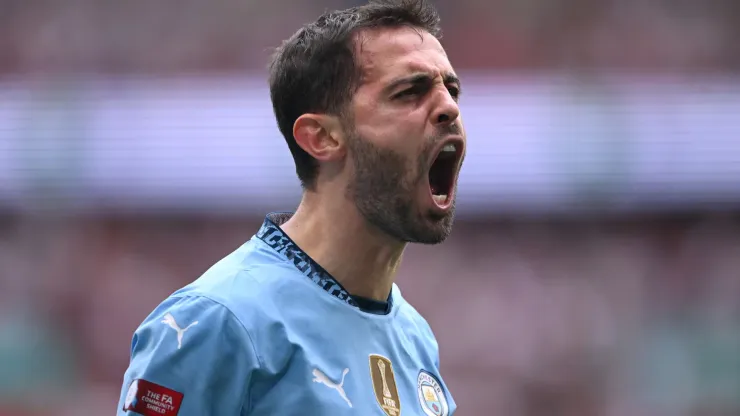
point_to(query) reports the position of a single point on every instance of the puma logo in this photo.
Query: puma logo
(320, 377)
(170, 320)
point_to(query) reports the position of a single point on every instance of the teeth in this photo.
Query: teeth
(449, 148)
(440, 199)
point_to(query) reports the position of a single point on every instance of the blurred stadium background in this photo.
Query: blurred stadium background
(595, 266)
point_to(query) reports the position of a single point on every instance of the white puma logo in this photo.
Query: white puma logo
(320, 377)
(170, 320)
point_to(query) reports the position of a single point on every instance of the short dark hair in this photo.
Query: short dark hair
(316, 70)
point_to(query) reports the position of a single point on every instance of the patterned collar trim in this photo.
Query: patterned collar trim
(274, 237)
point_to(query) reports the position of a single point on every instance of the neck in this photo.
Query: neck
(336, 236)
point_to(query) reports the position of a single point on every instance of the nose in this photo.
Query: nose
(447, 110)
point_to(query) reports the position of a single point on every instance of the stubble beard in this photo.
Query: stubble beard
(384, 190)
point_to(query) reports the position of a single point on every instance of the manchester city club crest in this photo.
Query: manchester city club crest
(431, 396)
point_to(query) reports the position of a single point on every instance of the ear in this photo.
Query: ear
(320, 135)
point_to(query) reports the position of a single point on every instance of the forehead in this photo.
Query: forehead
(387, 53)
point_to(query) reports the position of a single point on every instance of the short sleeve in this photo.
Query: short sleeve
(190, 357)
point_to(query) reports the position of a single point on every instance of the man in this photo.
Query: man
(304, 319)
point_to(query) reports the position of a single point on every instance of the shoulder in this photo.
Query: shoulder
(180, 351)
(248, 290)
(248, 283)
(199, 316)
(411, 317)
(229, 318)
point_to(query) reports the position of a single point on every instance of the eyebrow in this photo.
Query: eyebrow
(422, 78)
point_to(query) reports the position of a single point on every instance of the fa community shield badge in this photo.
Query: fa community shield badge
(431, 396)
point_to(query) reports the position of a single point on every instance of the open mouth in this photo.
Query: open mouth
(442, 173)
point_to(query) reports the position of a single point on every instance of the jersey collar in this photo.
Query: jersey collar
(273, 236)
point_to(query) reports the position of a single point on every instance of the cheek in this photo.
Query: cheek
(394, 137)
(402, 137)
(393, 125)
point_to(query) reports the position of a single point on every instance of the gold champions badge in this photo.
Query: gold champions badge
(384, 385)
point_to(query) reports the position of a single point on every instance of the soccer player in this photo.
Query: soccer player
(305, 318)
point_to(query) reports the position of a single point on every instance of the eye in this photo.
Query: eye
(454, 91)
(409, 92)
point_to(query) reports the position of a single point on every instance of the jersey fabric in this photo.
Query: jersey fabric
(267, 331)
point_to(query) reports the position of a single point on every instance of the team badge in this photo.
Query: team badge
(150, 399)
(431, 396)
(384, 385)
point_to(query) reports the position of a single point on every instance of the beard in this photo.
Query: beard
(385, 190)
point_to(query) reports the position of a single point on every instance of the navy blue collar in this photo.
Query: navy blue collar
(273, 236)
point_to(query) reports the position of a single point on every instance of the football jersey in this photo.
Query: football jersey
(267, 331)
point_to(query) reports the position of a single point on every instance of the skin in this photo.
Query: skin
(372, 195)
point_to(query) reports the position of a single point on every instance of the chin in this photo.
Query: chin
(433, 229)
(407, 220)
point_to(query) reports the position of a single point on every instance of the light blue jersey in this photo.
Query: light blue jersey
(267, 331)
